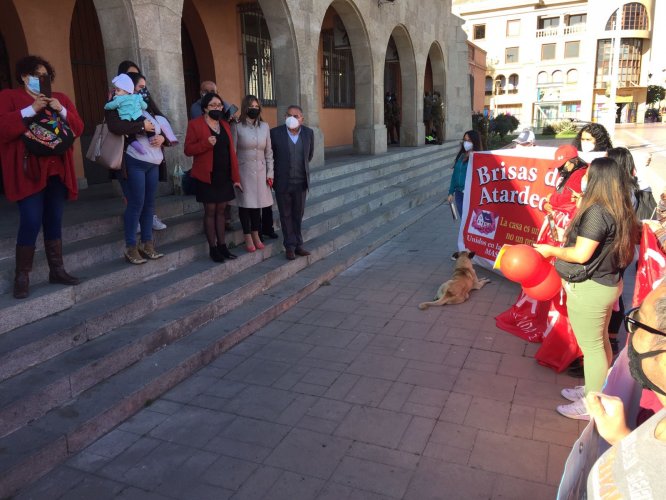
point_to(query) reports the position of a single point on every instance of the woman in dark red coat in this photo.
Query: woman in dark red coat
(215, 168)
(39, 184)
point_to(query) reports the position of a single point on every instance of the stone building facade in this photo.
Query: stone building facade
(336, 59)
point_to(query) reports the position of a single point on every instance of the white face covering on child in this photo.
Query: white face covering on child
(468, 145)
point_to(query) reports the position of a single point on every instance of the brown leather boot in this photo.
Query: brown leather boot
(57, 273)
(24, 257)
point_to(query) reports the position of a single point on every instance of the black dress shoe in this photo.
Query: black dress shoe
(272, 234)
(301, 251)
(224, 251)
(290, 255)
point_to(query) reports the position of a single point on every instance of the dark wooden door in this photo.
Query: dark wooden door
(90, 82)
(190, 68)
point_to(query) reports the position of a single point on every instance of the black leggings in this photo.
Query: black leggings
(250, 219)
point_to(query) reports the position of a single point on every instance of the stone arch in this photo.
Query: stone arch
(13, 36)
(359, 40)
(120, 34)
(409, 124)
(285, 53)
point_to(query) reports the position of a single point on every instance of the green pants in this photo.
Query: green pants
(589, 306)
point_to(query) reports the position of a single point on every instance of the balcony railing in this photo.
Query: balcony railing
(560, 30)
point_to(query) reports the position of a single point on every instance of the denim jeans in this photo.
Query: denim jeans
(142, 181)
(42, 208)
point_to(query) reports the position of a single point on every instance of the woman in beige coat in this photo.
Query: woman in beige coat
(252, 141)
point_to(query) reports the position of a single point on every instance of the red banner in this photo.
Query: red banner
(504, 193)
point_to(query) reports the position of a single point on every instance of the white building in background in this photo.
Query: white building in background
(552, 59)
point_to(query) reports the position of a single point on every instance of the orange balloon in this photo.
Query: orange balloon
(522, 263)
(547, 289)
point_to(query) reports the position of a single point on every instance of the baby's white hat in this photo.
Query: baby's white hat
(123, 82)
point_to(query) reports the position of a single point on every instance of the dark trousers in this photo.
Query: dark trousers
(291, 205)
(250, 219)
(42, 208)
(267, 220)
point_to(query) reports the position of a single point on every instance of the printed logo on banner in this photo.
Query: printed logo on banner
(483, 223)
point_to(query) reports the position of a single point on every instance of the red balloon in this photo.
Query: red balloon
(547, 289)
(522, 263)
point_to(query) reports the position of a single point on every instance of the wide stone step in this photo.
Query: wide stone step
(37, 447)
(37, 390)
(36, 342)
(104, 265)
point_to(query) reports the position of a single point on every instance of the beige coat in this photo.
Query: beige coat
(255, 163)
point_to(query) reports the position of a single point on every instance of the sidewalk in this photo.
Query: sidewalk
(352, 394)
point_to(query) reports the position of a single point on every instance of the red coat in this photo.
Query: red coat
(20, 183)
(197, 146)
(563, 201)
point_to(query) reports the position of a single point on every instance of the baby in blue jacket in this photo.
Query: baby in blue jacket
(130, 106)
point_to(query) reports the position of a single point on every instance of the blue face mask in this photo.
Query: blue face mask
(33, 84)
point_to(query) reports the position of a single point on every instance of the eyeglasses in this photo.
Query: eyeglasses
(630, 324)
(215, 106)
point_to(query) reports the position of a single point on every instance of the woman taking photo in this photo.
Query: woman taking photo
(252, 141)
(141, 170)
(38, 183)
(471, 142)
(215, 169)
(599, 245)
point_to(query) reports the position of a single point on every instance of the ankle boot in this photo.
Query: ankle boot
(24, 256)
(215, 254)
(225, 252)
(57, 273)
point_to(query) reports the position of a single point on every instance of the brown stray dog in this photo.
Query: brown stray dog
(463, 281)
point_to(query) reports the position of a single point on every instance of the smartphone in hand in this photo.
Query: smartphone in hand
(45, 85)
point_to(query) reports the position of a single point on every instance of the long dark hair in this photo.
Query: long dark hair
(626, 162)
(605, 187)
(476, 141)
(125, 65)
(602, 141)
(245, 105)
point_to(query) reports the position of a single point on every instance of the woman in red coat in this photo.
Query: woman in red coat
(39, 184)
(215, 169)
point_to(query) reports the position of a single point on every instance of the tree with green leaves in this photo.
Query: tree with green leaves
(655, 94)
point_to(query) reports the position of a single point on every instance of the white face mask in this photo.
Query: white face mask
(583, 184)
(587, 146)
(292, 123)
(468, 145)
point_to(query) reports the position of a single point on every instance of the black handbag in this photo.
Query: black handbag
(577, 273)
(47, 134)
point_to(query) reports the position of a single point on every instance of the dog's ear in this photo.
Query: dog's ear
(471, 255)
(456, 255)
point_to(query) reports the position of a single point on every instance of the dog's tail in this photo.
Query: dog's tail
(439, 302)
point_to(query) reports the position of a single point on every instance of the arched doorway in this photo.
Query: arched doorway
(392, 93)
(5, 67)
(400, 80)
(336, 85)
(198, 61)
(437, 68)
(90, 80)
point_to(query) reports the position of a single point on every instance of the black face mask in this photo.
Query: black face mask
(215, 114)
(636, 367)
(145, 94)
(252, 113)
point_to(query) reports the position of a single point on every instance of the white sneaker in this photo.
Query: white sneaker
(575, 410)
(158, 225)
(574, 394)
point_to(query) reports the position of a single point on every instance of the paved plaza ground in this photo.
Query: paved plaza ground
(353, 394)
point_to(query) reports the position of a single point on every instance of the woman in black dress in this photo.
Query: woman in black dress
(215, 168)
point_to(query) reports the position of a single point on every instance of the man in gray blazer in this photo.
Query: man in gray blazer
(293, 148)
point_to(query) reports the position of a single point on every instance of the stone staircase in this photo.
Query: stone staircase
(77, 361)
